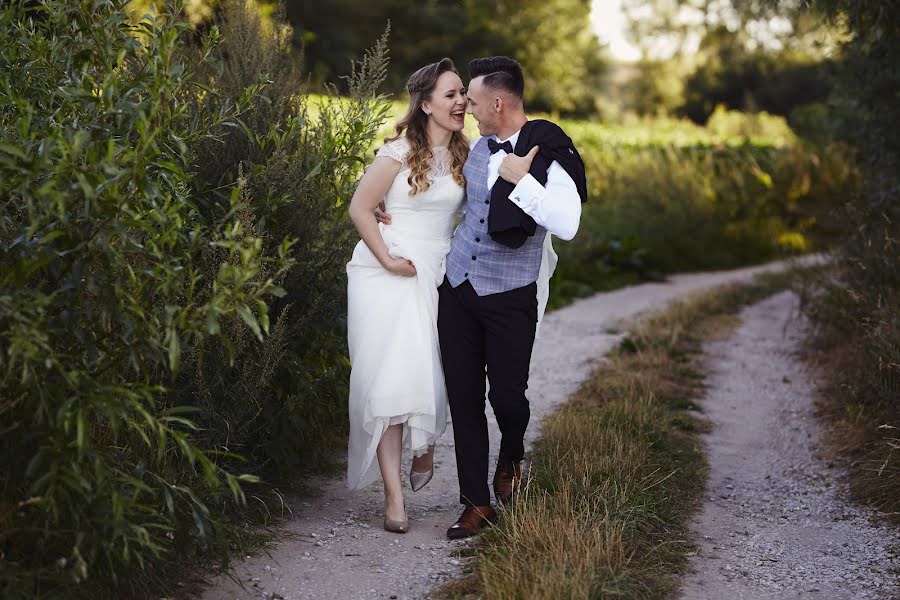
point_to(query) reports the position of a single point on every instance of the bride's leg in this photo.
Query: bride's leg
(389, 451)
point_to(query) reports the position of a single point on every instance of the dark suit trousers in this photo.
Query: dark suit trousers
(493, 334)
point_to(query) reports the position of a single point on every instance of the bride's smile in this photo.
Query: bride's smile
(447, 107)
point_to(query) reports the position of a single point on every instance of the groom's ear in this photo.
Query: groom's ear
(498, 104)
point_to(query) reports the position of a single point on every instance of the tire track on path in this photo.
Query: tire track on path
(776, 522)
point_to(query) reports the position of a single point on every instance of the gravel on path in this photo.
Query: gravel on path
(333, 546)
(776, 523)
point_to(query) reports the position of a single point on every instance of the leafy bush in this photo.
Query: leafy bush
(110, 274)
(812, 122)
(283, 403)
(160, 203)
(726, 123)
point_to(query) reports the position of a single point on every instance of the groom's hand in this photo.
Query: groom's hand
(514, 168)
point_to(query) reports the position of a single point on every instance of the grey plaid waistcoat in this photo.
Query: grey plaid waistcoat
(490, 267)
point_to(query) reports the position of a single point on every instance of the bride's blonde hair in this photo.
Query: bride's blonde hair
(420, 86)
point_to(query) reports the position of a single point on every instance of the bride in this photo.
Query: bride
(397, 392)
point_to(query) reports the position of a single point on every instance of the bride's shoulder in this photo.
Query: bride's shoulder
(396, 149)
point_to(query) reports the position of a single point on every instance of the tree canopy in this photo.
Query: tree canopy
(749, 55)
(563, 60)
(551, 38)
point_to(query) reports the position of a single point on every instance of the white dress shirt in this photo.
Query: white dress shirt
(556, 206)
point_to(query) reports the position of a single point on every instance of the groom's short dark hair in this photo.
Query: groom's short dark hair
(500, 72)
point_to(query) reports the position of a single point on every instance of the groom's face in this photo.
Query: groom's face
(483, 106)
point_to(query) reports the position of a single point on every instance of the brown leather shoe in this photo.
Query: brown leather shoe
(507, 478)
(473, 520)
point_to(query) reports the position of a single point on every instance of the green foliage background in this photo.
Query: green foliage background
(552, 39)
(173, 236)
(667, 196)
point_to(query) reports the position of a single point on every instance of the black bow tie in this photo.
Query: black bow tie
(495, 146)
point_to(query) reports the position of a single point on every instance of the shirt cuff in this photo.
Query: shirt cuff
(527, 193)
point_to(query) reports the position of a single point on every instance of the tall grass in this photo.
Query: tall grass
(617, 471)
(859, 301)
(696, 202)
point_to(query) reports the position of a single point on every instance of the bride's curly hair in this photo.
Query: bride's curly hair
(420, 86)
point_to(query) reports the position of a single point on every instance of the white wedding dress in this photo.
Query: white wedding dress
(392, 335)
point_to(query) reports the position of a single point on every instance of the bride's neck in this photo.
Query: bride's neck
(437, 136)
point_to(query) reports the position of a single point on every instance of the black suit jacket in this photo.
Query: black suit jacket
(507, 223)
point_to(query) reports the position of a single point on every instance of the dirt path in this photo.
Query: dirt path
(334, 546)
(776, 523)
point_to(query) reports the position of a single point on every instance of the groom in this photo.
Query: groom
(523, 179)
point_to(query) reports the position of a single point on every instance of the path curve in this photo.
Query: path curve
(334, 546)
(776, 523)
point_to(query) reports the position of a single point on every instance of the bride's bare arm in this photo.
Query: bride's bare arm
(371, 190)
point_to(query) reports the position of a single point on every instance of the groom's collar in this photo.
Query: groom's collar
(511, 139)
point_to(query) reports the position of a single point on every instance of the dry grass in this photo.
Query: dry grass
(617, 471)
(858, 403)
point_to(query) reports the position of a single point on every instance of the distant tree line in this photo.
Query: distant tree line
(747, 55)
(740, 61)
(552, 39)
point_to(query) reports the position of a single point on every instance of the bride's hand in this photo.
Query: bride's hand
(401, 266)
(381, 216)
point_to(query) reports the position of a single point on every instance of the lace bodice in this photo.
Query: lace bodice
(441, 161)
(428, 214)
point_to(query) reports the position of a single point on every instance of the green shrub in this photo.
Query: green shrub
(812, 122)
(159, 204)
(110, 274)
(773, 129)
(283, 403)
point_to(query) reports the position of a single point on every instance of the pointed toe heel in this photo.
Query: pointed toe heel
(419, 480)
(396, 526)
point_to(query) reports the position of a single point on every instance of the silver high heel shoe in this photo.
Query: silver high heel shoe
(396, 526)
(419, 480)
(401, 526)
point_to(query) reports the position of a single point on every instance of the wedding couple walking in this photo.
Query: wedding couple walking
(432, 310)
